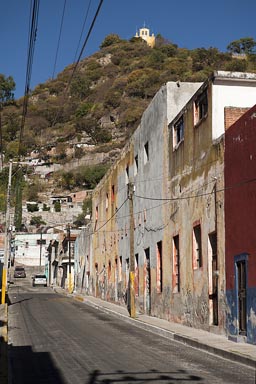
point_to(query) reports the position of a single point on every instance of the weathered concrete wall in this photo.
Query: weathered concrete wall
(178, 194)
(112, 222)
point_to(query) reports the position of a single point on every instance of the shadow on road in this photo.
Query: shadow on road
(18, 301)
(28, 367)
(152, 376)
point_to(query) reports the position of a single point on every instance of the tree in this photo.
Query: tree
(37, 220)
(7, 86)
(57, 206)
(110, 40)
(87, 210)
(245, 45)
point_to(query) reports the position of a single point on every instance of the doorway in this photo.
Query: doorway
(147, 282)
(241, 275)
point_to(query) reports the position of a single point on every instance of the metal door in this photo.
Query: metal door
(241, 282)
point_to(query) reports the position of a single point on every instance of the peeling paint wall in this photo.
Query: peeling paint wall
(178, 191)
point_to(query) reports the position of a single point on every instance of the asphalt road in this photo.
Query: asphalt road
(56, 339)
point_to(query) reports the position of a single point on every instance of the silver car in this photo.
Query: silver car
(39, 280)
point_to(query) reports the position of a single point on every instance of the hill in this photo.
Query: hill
(94, 108)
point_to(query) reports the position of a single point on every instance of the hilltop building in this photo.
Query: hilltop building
(144, 33)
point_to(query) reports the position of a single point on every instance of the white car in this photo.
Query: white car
(39, 280)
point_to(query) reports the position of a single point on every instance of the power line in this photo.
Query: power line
(58, 44)
(31, 48)
(82, 31)
(80, 55)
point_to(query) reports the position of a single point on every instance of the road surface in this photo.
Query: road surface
(55, 339)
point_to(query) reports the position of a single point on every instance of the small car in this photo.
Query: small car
(19, 272)
(39, 280)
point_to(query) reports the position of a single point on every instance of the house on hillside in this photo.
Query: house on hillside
(240, 223)
(160, 209)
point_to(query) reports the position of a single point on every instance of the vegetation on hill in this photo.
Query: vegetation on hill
(103, 100)
(100, 104)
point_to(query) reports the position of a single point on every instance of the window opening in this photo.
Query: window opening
(178, 131)
(146, 153)
(159, 269)
(176, 264)
(200, 107)
(137, 274)
(197, 247)
(136, 165)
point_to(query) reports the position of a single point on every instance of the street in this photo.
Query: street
(55, 339)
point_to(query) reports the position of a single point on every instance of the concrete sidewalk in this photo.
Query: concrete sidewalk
(242, 353)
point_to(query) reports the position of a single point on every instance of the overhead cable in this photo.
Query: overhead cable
(31, 48)
(82, 31)
(79, 57)
(58, 44)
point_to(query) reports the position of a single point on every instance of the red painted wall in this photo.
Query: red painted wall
(240, 195)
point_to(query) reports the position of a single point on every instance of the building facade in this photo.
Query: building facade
(159, 211)
(240, 214)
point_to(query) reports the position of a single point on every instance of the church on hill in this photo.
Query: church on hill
(144, 33)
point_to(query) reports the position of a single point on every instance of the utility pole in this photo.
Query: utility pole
(6, 243)
(41, 240)
(69, 260)
(132, 261)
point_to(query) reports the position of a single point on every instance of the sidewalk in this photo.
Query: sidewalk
(216, 344)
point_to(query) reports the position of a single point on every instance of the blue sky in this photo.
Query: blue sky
(189, 24)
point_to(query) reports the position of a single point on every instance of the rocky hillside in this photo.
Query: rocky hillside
(86, 116)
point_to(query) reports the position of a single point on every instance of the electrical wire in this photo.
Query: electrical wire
(82, 31)
(114, 214)
(58, 44)
(79, 58)
(197, 195)
(31, 49)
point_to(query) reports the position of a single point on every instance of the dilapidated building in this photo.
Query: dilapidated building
(160, 208)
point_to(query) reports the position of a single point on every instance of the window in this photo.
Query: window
(106, 201)
(146, 153)
(136, 277)
(176, 264)
(127, 271)
(197, 247)
(200, 107)
(120, 268)
(178, 131)
(136, 165)
(109, 271)
(113, 194)
(96, 217)
(159, 269)
(127, 174)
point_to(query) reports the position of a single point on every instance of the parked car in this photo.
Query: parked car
(39, 280)
(19, 272)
